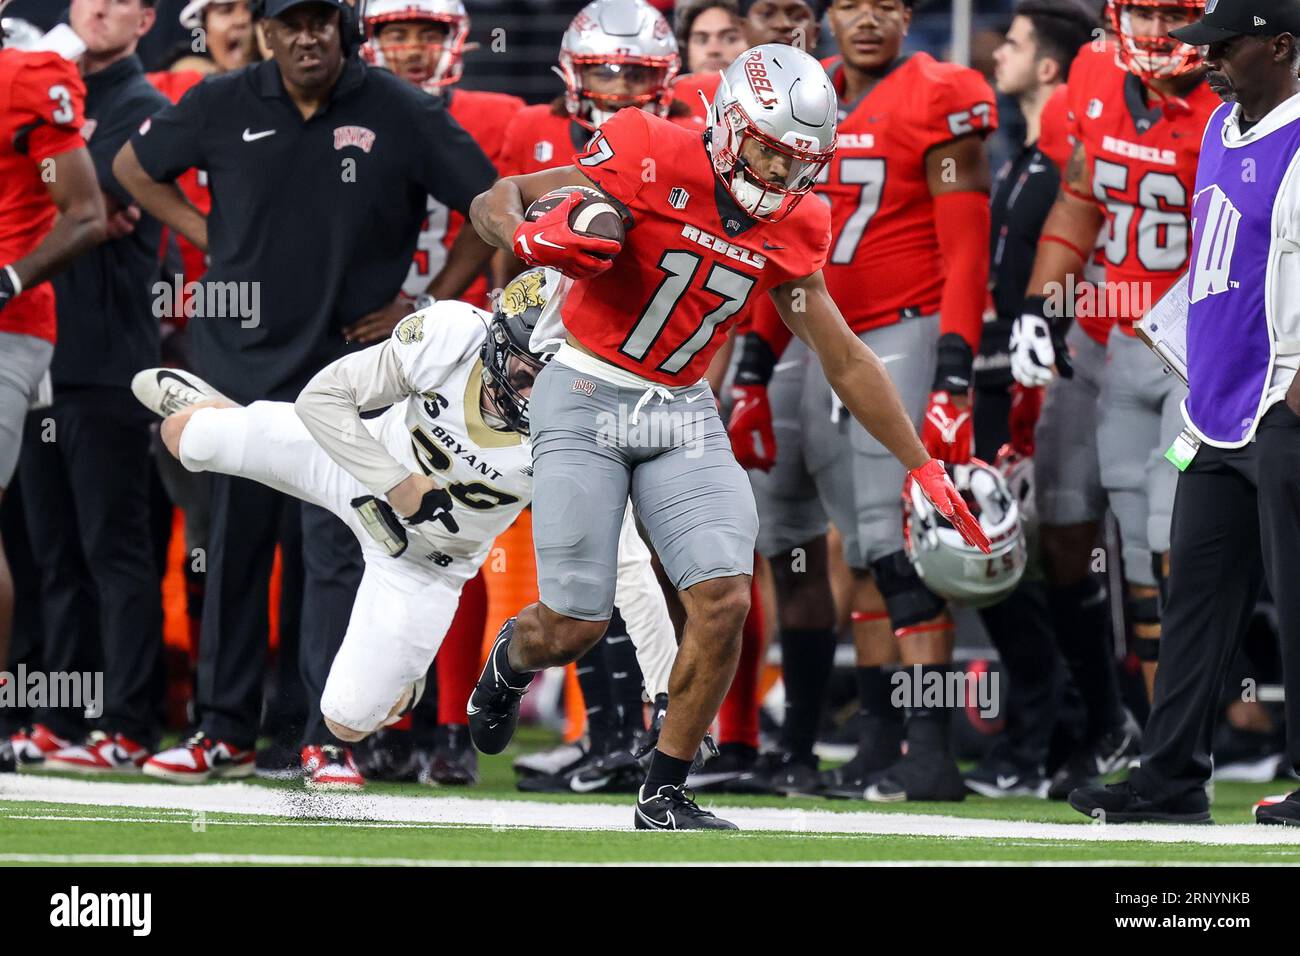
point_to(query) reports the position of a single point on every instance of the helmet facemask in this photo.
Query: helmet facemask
(648, 80)
(510, 367)
(1153, 57)
(445, 56)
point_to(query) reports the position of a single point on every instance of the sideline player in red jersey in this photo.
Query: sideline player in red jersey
(908, 195)
(423, 42)
(615, 53)
(615, 412)
(51, 211)
(1138, 133)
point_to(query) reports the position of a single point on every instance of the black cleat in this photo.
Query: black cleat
(615, 771)
(673, 808)
(1121, 803)
(493, 707)
(927, 771)
(453, 762)
(718, 773)
(1107, 754)
(879, 748)
(1284, 813)
(997, 778)
(779, 772)
(389, 755)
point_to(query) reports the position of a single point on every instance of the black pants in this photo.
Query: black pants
(1236, 522)
(85, 471)
(245, 522)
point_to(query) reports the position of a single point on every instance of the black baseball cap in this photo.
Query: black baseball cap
(275, 8)
(1225, 19)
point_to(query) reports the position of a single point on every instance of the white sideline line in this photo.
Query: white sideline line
(264, 859)
(295, 804)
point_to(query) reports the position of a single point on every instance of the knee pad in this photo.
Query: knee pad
(1144, 610)
(907, 599)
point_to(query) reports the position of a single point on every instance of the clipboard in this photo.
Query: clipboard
(1164, 328)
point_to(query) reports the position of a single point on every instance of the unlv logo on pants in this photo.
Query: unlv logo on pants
(1214, 237)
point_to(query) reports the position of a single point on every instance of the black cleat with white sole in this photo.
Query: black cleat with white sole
(673, 808)
(493, 708)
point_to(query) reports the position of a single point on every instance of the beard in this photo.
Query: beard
(1221, 85)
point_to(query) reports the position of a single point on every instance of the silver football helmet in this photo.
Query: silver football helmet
(442, 63)
(772, 128)
(950, 567)
(616, 54)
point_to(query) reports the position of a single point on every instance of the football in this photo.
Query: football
(594, 216)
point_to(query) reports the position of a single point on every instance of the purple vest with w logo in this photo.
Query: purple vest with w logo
(1229, 343)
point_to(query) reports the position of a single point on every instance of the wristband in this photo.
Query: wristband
(952, 371)
(757, 361)
(14, 280)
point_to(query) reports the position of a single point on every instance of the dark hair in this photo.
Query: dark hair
(1060, 28)
(686, 15)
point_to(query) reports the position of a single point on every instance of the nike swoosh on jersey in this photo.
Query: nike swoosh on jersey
(251, 137)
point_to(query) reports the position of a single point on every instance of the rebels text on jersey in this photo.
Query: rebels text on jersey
(1142, 164)
(885, 259)
(439, 431)
(42, 109)
(692, 261)
(486, 117)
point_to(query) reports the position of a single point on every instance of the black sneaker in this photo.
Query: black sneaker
(1107, 754)
(1121, 803)
(278, 761)
(493, 707)
(879, 747)
(673, 808)
(779, 772)
(453, 762)
(388, 755)
(1284, 813)
(1003, 778)
(615, 770)
(7, 762)
(732, 762)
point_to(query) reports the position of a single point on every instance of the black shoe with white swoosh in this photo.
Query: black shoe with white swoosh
(673, 808)
(493, 708)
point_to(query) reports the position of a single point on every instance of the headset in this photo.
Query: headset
(352, 21)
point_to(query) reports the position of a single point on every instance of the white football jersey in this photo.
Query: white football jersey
(439, 431)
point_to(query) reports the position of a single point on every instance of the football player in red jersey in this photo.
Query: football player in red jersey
(423, 42)
(1138, 135)
(615, 53)
(51, 211)
(908, 196)
(721, 223)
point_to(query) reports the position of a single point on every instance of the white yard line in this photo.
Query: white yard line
(303, 805)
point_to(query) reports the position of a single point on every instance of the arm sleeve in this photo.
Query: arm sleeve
(453, 167)
(51, 101)
(962, 223)
(170, 142)
(641, 602)
(331, 404)
(614, 158)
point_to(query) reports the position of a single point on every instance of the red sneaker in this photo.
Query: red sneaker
(33, 744)
(100, 754)
(330, 768)
(200, 759)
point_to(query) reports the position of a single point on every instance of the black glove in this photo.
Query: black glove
(952, 372)
(7, 290)
(435, 506)
(757, 361)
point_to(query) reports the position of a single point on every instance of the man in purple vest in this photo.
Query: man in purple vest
(1236, 519)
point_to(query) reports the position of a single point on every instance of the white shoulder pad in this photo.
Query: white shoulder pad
(432, 343)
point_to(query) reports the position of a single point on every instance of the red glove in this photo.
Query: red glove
(1026, 403)
(938, 487)
(750, 427)
(948, 430)
(551, 241)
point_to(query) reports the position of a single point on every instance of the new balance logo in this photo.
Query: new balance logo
(1214, 237)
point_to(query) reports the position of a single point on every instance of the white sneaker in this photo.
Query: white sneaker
(166, 391)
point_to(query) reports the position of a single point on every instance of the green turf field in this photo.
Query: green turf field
(48, 818)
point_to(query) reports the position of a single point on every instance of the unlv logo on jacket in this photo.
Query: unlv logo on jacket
(358, 136)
